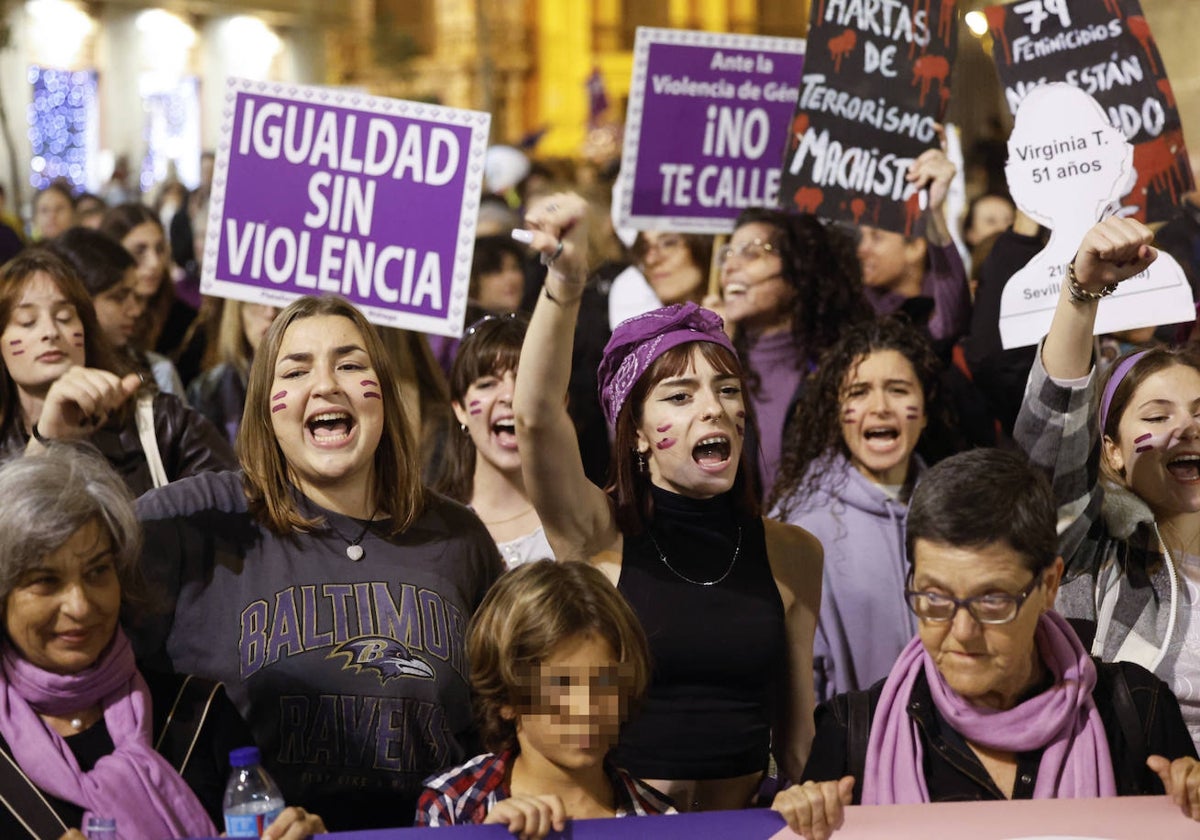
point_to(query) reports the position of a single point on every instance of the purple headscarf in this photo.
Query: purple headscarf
(638, 341)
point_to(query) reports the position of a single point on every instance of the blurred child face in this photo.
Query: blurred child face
(578, 695)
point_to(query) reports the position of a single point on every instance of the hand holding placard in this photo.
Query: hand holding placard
(1067, 167)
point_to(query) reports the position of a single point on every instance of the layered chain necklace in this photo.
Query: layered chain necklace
(662, 555)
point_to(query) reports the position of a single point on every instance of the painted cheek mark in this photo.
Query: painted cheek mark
(14, 342)
(1145, 448)
(911, 412)
(367, 382)
(740, 414)
(666, 443)
(663, 428)
(1146, 436)
(371, 395)
(280, 395)
(848, 415)
(473, 403)
(18, 352)
(278, 408)
(741, 430)
(78, 342)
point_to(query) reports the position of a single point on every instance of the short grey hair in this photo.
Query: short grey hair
(46, 498)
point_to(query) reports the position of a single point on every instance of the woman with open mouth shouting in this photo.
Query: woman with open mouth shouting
(728, 600)
(482, 466)
(848, 472)
(1124, 452)
(323, 583)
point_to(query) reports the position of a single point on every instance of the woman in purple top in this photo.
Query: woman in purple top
(789, 284)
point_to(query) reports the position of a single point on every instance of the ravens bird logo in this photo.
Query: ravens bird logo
(387, 657)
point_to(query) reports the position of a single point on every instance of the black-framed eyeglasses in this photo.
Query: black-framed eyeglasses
(992, 608)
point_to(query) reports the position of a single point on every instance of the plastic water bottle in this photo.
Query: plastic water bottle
(252, 799)
(100, 828)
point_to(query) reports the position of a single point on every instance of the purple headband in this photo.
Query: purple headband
(638, 341)
(1114, 382)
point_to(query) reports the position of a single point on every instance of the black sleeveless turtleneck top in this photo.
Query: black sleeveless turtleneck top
(717, 649)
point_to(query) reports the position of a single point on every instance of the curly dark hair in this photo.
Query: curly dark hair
(821, 263)
(816, 428)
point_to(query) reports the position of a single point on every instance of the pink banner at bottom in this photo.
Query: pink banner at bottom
(1124, 818)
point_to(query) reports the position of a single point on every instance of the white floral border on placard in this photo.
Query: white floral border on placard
(646, 37)
(479, 123)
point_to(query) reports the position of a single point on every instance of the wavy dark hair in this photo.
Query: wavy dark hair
(816, 429)
(820, 262)
(490, 347)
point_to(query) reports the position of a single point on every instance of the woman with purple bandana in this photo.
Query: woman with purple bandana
(1124, 452)
(996, 697)
(728, 600)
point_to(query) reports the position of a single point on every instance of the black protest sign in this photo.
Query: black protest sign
(1105, 48)
(876, 80)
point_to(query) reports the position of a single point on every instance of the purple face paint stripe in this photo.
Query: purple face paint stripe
(278, 408)
(371, 395)
(666, 443)
(367, 382)
(664, 427)
(1145, 448)
(1146, 436)
(473, 403)
(280, 395)
(18, 352)
(14, 342)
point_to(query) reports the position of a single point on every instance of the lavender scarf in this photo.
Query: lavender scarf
(134, 784)
(1062, 720)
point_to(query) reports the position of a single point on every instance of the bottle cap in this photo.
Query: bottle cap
(245, 757)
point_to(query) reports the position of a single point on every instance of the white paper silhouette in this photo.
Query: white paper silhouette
(1067, 169)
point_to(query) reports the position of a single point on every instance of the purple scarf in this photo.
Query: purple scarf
(1062, 721)
(133, 784)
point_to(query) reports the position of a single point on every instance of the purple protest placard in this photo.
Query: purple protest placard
(708, 116)
(324, 191)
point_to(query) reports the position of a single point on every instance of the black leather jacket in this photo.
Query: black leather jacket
(189, 444)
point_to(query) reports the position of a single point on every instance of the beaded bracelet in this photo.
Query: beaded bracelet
(1079, 294)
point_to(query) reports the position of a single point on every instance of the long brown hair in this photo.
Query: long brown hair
(629, 485)
(398, 490)
(490, 347)
(98, 353)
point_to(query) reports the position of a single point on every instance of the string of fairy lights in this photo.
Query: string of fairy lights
(62, 122)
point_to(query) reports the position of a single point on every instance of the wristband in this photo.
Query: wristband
(44, 441)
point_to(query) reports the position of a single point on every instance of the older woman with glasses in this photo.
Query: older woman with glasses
(996, 697)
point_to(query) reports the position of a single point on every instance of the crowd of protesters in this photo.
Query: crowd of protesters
(802, 536)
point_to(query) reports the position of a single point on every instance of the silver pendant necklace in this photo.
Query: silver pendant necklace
(354, 549)
(663, 557)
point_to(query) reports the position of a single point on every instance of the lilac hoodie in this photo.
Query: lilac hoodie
(864, 621)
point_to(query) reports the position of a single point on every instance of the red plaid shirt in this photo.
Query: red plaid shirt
(466, 794)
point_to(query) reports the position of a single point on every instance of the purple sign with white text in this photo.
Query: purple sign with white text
(706, 126)
(321, 191)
